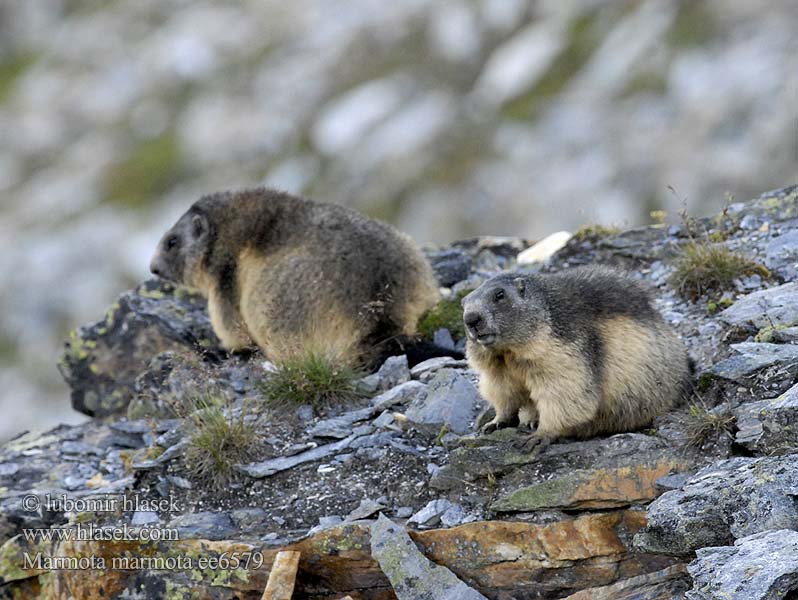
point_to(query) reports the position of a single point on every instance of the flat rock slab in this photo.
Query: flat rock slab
(758, 567)
(452, 400)
(600, 473)
(667, 584)
(729, 500)
(769, 426)
(777, 306)
(412, 575)
(752, 357)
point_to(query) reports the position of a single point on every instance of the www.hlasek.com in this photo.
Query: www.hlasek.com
(83, 531)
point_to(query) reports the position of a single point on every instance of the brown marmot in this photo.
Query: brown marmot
(293, 275)
(578, 353)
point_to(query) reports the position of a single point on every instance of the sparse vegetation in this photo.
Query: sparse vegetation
(704, 267)
(218, 441)
(447, 314)
(310, 379)
(149, 169)
(707, 426)
(594, 231)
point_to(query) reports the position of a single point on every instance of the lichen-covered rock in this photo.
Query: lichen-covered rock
(597, 473)
(728, 500)
(667, 584)
(769, 426)
(412, 575)
(763, 566)
(102, 361)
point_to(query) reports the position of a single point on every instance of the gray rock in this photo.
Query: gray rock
(769, 426)
(728, 500)
(102, 361)
(282, 463)
(432, 365)
(754, 356)
(216, 525)
(412, 575)
(452, 400)
(438, 512)
(326, 523)
(450, 266)
(144, 517)
(403, 512)
(394, 371)
(777, 306)
(341, 426)
(763, 566)
(443, 338)
(8, 469)
(365, 509)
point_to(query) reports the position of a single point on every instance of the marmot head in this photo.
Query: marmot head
(182, 249)
(503, 312)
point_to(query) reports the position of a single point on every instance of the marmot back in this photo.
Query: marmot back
(580, 352)
(293, 275)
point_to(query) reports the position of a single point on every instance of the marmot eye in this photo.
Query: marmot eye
(171, 242)
(498, 295)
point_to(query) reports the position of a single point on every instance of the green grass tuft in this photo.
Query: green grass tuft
(10, 71)
(706, 426)
(711, 268)
(447, 314)
(218, 442)
(311, 379)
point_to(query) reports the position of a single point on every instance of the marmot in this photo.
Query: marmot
(293, 275)
(580, 352)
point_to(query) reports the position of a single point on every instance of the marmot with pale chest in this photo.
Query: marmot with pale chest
(577, 353)
(297, 276)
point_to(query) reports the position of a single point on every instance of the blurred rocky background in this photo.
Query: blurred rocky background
(449, 118)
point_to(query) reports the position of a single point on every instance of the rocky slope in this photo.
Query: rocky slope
(392, 495)
(448, 118)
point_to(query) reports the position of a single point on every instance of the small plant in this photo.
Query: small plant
(703, 268)
(705, 426)
(311, 378)
(594, 231)
(448, 314)
(218, 441)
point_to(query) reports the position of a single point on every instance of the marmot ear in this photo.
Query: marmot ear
(199, 226)
(520, 285)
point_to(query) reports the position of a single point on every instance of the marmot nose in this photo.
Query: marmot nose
(155, 268)
(472, 319)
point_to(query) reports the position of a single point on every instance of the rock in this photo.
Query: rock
(144, 517)
(754, 356)
(544, 249)
(728, 500)
(393, 372)
(450, 266)
(777, 306)
(438, 511)
(204, 525)
(763, 566)
(412, 575)
(341, 426)
(102, 361)
(769, 426)
(618, 471)
(667, 584)
(282, 463)
(443, 338)
(365, 509)
(452, 400)
(426, 369)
